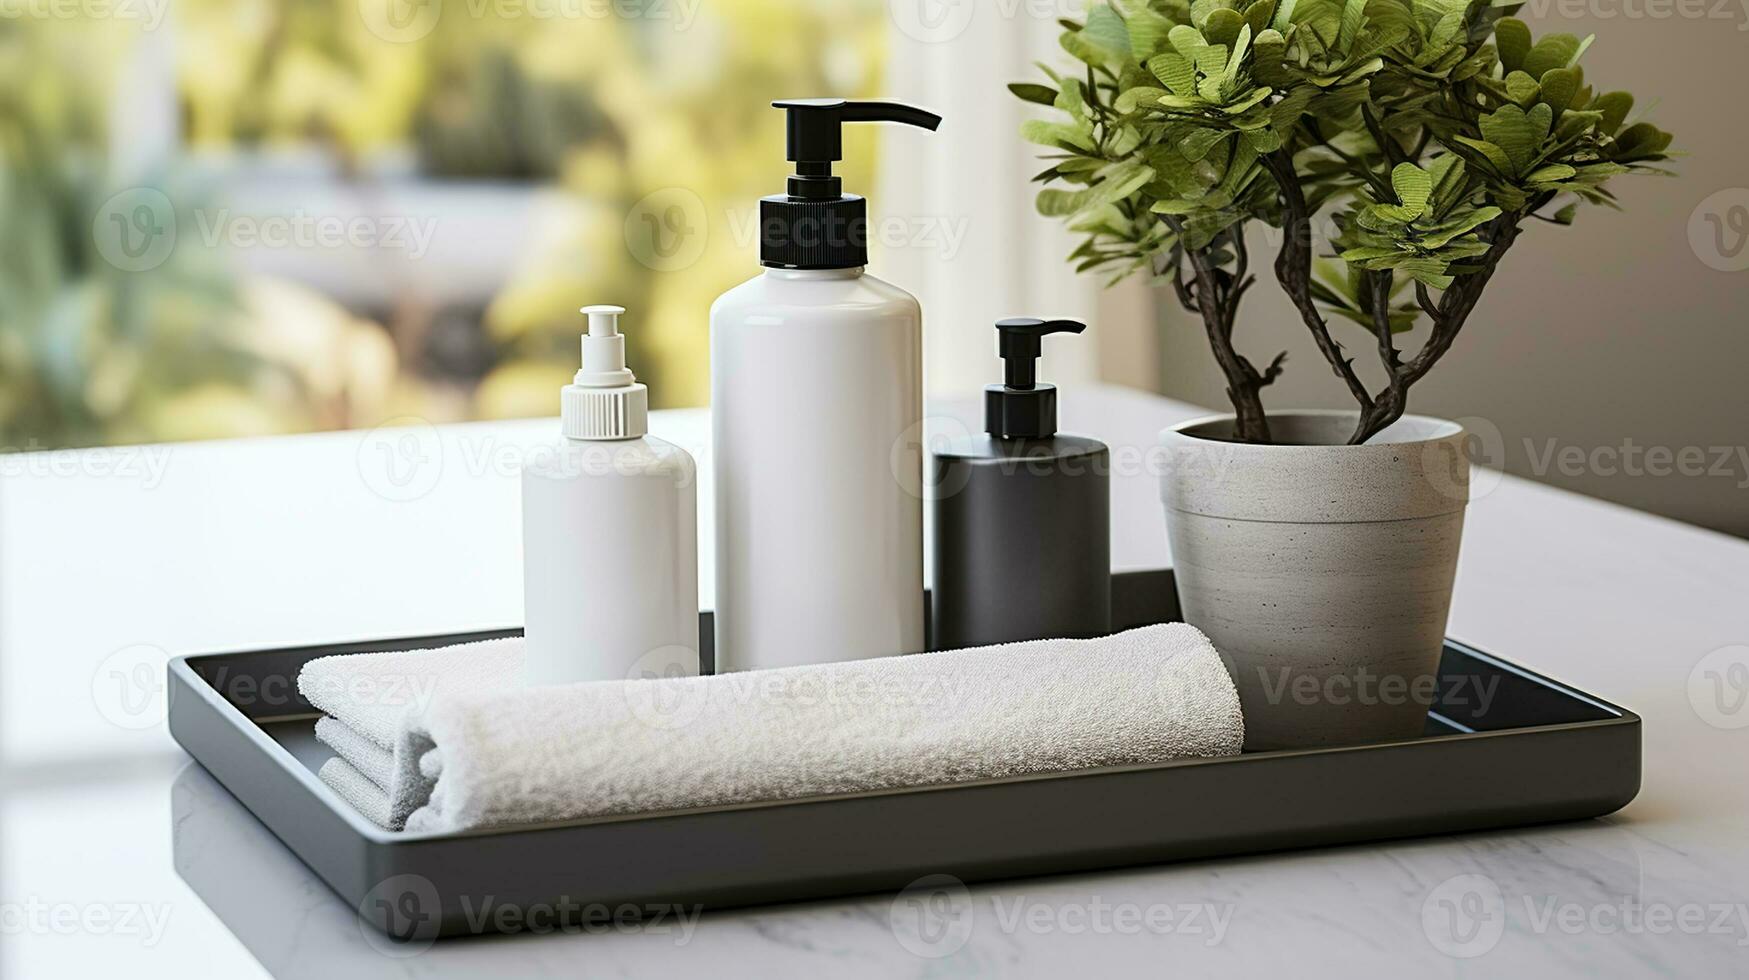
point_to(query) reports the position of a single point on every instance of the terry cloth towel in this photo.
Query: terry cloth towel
(489, 758)
(366, 696)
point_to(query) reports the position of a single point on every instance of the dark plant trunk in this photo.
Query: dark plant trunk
(1213, 293)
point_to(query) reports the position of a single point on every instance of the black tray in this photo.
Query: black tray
(1542, 751)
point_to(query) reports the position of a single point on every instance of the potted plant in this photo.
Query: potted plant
(1317, 549)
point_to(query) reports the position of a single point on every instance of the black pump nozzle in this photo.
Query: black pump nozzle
(1020, 407)
(815, 125)
(816, 225)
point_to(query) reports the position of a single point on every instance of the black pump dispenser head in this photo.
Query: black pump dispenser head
(816, 225)
(1020, 407)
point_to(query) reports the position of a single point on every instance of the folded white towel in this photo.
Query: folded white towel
(531, 755)
(355, 788)
(372, 761)
(366, 697)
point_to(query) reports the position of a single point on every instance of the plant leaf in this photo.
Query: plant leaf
(1553, 51)
(1509, 129)
(1493, 154)
(1615, 107)
(1222, 26)
(1148, 32)
(1521, 88)
(1041, 94)
(1512, 40)
(1175, 71)
(1559, 85)
(1353, 16)
(1413, 185)
(1106, 32)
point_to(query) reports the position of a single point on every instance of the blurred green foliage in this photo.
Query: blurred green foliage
(657, 133)
(89, 352)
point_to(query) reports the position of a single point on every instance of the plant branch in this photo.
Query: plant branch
(1391, 400)
(1456, 303)
(1389, 147)
(1293, 269)
(1179, 286)
(1217, 297)
(1425, 300)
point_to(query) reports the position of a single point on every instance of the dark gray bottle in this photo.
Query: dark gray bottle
(1022, 515)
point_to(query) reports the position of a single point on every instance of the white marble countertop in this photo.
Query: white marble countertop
(120, 857)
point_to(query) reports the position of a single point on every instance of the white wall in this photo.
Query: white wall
(972, 175)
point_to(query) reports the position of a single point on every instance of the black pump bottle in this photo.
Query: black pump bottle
(1022, 514)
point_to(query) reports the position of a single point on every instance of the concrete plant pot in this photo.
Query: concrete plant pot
(1321, 571)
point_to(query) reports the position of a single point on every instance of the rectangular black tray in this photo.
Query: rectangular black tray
(1541, 752)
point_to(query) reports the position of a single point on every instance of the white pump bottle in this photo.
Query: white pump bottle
(609, 532)
(816, 406)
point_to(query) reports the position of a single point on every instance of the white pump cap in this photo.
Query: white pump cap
(604, 400)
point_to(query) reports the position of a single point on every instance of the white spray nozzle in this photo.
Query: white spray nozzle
(603, 320)
(604, 400)
(604, 350)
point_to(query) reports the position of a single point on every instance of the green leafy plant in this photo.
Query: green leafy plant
(1426, 131)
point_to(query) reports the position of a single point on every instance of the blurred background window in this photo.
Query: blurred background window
(243, 217)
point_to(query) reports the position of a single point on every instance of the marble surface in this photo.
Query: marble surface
(119, 856)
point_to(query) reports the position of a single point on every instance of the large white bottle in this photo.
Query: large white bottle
(816, 409)
(609, 532)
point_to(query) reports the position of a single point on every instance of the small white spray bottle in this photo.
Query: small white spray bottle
(609, 532)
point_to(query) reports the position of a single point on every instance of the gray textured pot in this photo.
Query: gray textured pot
(1321, 571)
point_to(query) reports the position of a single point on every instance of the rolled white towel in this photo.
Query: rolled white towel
(532, 755)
